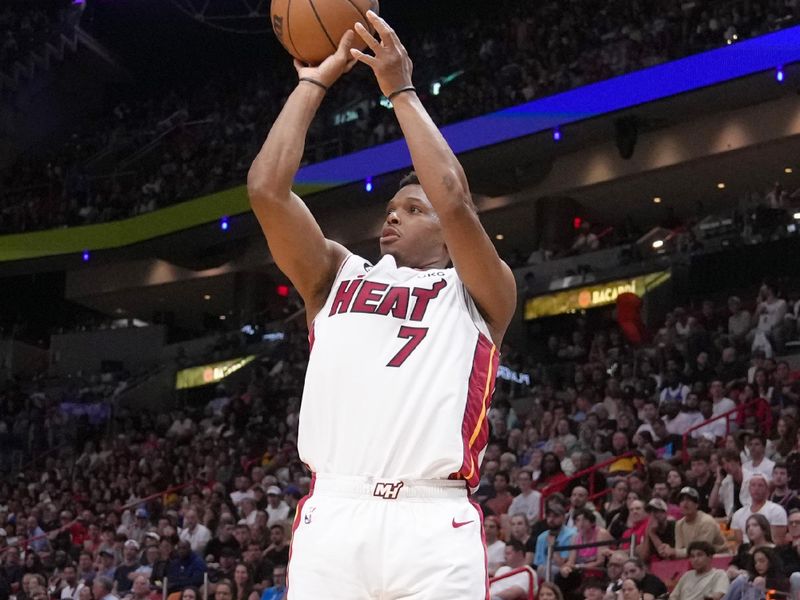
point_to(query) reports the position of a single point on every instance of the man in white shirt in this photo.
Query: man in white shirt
(195, 532)
(72, 586)
(758, 462)
(715, 428)
(677, 421)
(528, 502)
(277, 509)
(514, 587)
(775, 513)
(720, 403)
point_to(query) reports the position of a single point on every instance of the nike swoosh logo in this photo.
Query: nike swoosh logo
(456, 524)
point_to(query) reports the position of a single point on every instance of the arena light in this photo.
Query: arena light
(86, 256)
(368, 184)
(657, 200)
(779, 76)
(720, 186)
(788, 170)
(224, 224)
(658, 244)
(796, 216)
(557, 134)
(436, 88)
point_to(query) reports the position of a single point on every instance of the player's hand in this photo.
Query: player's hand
(333, 67)
(390, 61)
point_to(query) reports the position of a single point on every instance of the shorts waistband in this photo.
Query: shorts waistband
(381, 488)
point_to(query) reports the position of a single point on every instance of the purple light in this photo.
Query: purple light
(557, 134)
(85, 256)
(223, 224)
(368, 184)
(779, 74)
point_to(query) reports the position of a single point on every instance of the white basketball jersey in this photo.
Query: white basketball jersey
(400, 376)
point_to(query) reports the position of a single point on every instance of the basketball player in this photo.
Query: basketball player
(403, 358)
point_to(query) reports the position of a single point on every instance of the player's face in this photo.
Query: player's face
(412, 232)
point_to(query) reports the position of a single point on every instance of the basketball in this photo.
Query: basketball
(310, 30)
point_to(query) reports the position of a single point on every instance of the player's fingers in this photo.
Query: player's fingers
(346, 42)
(364, 58)
(386, 33)
(368, 38)
(298, 65)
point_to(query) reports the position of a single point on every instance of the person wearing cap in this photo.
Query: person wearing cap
(775, 513)
(660, 531)
(107, 567)
(695, 525)
(277, 510)
(130, 562)
(556, 535)
(194, 532)
(140, 526)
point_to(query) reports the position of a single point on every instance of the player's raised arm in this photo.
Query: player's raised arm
(489, 280)
(295, 239)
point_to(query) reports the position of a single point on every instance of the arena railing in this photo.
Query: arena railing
(727, 415)
(553, 488)
(531, 579)
(23, 543)
(553, 548)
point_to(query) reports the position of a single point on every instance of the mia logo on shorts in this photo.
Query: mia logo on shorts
(387, 491)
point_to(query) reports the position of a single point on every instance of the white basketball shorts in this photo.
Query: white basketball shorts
(368, 539)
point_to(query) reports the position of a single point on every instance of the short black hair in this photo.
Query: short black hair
(702, 546)
(593, 584)
(701, 455)
(516, 545)
(409, 178)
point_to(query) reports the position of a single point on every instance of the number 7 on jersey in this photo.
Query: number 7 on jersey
(414, 335)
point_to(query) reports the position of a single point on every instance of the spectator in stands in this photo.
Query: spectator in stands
(660, 531)
(549, 591)
(585, 240)
(514, 587)
(589, 531)
(186, 569)
(195, 532)
(260, 567)
(226, 566)
(766, 572)
(701, 478)
(278, 550)
(729, 493)
(86, 571)
(760, 534)
(495, 547)
(502, 499)
(107, 568)
(631, 590)
(789, 551)
(758, 462)
(557, 534)
(224, 590)
(223, 540)
(716, 429)
(650, 585)
(130, 562)
(781, 493)
(695, 525)
(768, 318)
(278, 588)
(243, 584)
(37, 540)
(140, 589)
(702, 582)
(101, 588)
(579, 499)
(775, 514)
(593, 589)
(277, 509)
(528, 502)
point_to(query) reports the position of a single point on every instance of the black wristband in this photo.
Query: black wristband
(409, 88)
(315, 82)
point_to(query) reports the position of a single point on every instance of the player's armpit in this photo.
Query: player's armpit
(298, 246)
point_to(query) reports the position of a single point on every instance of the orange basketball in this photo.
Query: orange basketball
(311, 29)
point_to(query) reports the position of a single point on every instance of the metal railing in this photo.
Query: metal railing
(734, 412)
(531, 579)
(553, 548)
(551, 489)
